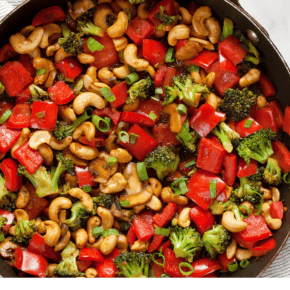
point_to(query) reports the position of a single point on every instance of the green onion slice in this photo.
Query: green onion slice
(110, 232)
(247, 209)
(87, 188)
(193, 68)
(162, 231)
(233, 266)
(190, 163)
(187, 265)
(94, 45)
(132, 78)
(2, 237)
(41, 71)
(159, 255)
(107, 94)
(181, 109)
(286, 178)
(155, 99)
(244, 263)
(111, 161)
(212, 188)
(65, 30)
(152, 116)
(248, 123)
(158, 91)
(259, 208)
(170, 55)
(142, 171)
(5, 116)
(97, 231)
(105, 124)
(123, 136)
(133, 138)
(125, 203)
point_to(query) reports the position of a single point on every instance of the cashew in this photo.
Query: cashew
(7, 248)
(154, 203)
(122, 243)
(85, 58)
(214, 29)
(46, 153)
(231, 249)
(97, 244)
(83, 196)
(62, 219)
(188, 51)
(38, 138)
(106, 76)
(175, 118)
(111, 141)
(125, 5)
(196, 77)
(50, 79)
(267, 194)
(275, 193)
(168, 196)
(179, 31)
(130, 57)
(61, 55)
(20, 215)
(198, 20)
(50, 50)
(35, 53)
(24, 45)
(115, 184)
(103, 16)
(52, 232)
(150, 69)
(23, 197)
(56, 206)
(59, 144)
(186, 16)
(27, 30)
(203, 43)
(119, 27)
(231, 224)
(213, 100)
(251, 77)
(76, 160)
(71, 179)
(50, 270)
(105, 156)
(249, 205)
(91, 273)
(84, 100)
(243, 254)
(155, 185)
(143, 10)
(84, 152)
(81, 238)
(80, 7)
(87, 128)
(49, 29)
(108, 245)
(261, 102)
(63, 242)
(134, 184)
(41, 63)
(159, 33)
(106, 217)
(274, 224)
(122, 155)
(139, 246)
(183, 219)
(67, 114)
(100, 170)
(93, 222)
(209, 80)
(121, 72)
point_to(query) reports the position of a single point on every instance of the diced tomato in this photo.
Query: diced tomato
(90, 254)
(20, 117)
(278, 113)
(84, 176)
(224, 261)
(204, 267)
(230, 168)
(225, 63)
(69, 67)
(108, 112)
(8, 138)
(156, 242)
(61, 93)
(27, 62)
(170, 73)
(131, 235)
(83, 265)
(23, 96)
(147, 106)
(157, 269)
(9, 216)
(161, 220)
(172, 264)
(169, 9)
(159, 76)
(136, 118)
(7, 52)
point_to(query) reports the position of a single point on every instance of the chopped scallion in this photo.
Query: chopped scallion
(5, 116)
(187, 265)
(125, 203)
(87, 188)
(212, 188)
(248, 123)
(181, 109)
(111, 161)
(233, 266)
(244, 263)
(123, 136)
(97, 231)
(110, 232)
(107, 94)
(132, 78)
(158, 91)
(170, 55)
(190, 163)
(105, 124)
(94, 45)
(41, 71)
(161, 231)
(142, 171)
(152, 116)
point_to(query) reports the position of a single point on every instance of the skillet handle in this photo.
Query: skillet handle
(237, 3)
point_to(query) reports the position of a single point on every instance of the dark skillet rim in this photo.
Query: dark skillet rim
(261, 30)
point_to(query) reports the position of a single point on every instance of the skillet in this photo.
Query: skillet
(272, 63)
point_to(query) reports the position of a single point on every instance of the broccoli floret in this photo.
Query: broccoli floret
(257, 146)
(7, 198)
(24, 231)
(185, 88)
(133, 265)
(37, 94)
(104, 200)
(40, 179)
(227, 136)
(187, 138)
(142, 89)
(164, 18)
(258, 176)
(186, 242)
(64, 164)
(72, 44)
(272, 172)
(216, 240)
(86, 26)
(62, 130)
(237, 104)
(3, 221)
(68, 266)
(164, 160)
(218, 207)
(79, 213)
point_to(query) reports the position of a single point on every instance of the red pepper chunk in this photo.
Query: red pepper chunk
(143, 226)
(205, 119)
(204, 59)
(169, 9)
(90, 254)
(203, 219)
(23, 96)
(264, 247)
(7, 52)
(14, 77)
(230, 168)
(83, 265)
(20, 117)
(161, 220)
(136, 118)
(163, 247)
(204, 267)
(120, 92)
(154, 51)
(84, 176)
(225, 63)
(108, 112)
(245, 169)
(9, 216)
(170, 73)
(266, 86)
(107, 269)
(13, 181)
(267, 119)
(30, 263)
(8, 138)
(199, 188)
(44, 115)
(278, 113)
(131, 236)
(144, 143)
(39, 247)
(27, 62)
(147, 106)
(159, 76)
(156, 242)
(277, 210)
(243, 131)
(49, 15)
(172, 264)
(286, 125)
(157, 269)
(282, 155)
(69, 67)
(61, 93)
(164, 136)
(28, 157)
(224, 261)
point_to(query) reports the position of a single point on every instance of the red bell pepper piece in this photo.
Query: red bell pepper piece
(205, 119)
(13, 181)
(44, 115)
(26, 61)
(210, 155)
(169, 9)
(9, 216)
(154, 51)
(108, 112)
(203, 219)
(161, 220)
(277, 210)
(35, 204)
(164, 136)
(256, 230)
(23, 96)
(49, 15)
(143, 225)
(39, 247)
(156, 242)
(20, 117)
(159, 76)
(84, 265)
(192, 7)
(204, 267)
(157, 269)
(14, 77)
(172, 264)
(230, 168)
(286, 125)
(243, 131)
(107, 56)
(28, 157)
(61, 93)
(7, 52)
(181, 169)
(267, 119)
(278, 113)
(223, 196)
(136, 118)
(90, 254)
(147, 106)
(84, 176)
(94, 143)
(241, 242)
(164, 246)
(223, 79)
(225, 63)
(282, 155)
(245, 169)
(264, 248)
(198, 188)
(204, 59)
(8, 137)
(131, 236)
(233, 49)
(120, 92)
(69, 67)
(30, 263)
(143, 145)
(140, 29)
(170, 73)
(224, 261)
(107, 269)
(266, 86)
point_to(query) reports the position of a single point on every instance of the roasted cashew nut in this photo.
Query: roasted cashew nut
(175, 118)
(83, 196)
(84, 100)
(106, 76)
(130, 57)
(80, 7)
(81, 238)
(168, 196)
(35, 53)
(120, 26)
(261, 102)
(183, 219)
(52, 232)
(50, 79)
(85, 58)
(41, 63)
(71, 179)
(91, 273)
(20, 215)
(24, 45)
(179, 31)
(61, 55)
(188, 51)
(198, 20)
(49, 29)
(105, 156)
(231, 249)
(7, 248)
(155, 185)
(243, 254)
(23, 197)
(122, 243)
(67, 114)
(97, 244)
(93, 222)
(63, 242)
(122, 71)
(100, 170)
(154, 203)
(231, 224)
(52, 49)
(87, 128)
(111, 141)
(46, 153)
(108, 245)
(122, 155)
(104, 16)
(106, 217)
(213, 100)
(125, 5)
(249, 205)
(38, 138)
(251, 77)
(139, 246)
(275, 193)
(150, 69)
(186, 16)
(59, 144)
(274, 224)
(56, 206)
(214, 29)
(115, 184)
(50, 270)
(76, 160)
(267, 194)
(27, 30)
(142, 11)
(84, 152)
(120, 43)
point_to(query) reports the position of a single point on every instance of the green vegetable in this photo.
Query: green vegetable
(233, 266)
(6, 115)
(37, 94)
(107, 94)
(24, 231)
(123, 136)
(218, 207)
(244, 263)
(104, 200)
(72, 44)
(248, 123)
(110, 232)
(161, 231)
(3, 221)
(142, 89)
(105, 124)
(142, 171)
(40, 71)
(212, 188)
(182, 109)
(7, 198)
(170, 55)
(272, 173)
(94, 45)
(132, 78)
(164, 18)
(112, 161)
(85, 26)
(183, 264)
(187, 138)
(97, 231)
(152, 116)
(228, 28)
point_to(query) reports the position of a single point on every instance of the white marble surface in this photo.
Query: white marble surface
(274, 16)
